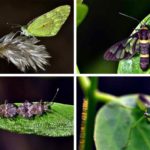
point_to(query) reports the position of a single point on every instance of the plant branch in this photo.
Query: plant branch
(91, 111)
(105, 97)
(85, 84)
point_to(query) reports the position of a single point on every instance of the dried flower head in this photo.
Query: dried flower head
(23, 51)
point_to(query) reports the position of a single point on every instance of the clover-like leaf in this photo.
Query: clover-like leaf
(117, 127)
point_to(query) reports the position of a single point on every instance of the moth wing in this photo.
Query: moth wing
(117, 51)
(132, 44)
(50, 23)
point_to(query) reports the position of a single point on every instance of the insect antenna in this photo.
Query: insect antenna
(129, 17)
(6, 101)
(52, 101)
(13, 25)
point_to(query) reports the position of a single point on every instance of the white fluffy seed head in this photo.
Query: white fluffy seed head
(23, 52)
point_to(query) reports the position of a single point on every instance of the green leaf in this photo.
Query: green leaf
(118, 127)
(133, 65)
(82, 11)
(79, 1)
(57, 123)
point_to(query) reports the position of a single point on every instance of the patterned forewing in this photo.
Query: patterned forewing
(117, 51)
(50, 23)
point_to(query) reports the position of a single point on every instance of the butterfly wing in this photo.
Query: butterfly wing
(50, 23)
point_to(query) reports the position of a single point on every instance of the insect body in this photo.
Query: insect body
(146, 102)
(8, 110)
(144, 46)
(137, 43)
(26, 109)
(29, 110)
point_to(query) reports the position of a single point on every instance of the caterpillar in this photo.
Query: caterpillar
(26, 109)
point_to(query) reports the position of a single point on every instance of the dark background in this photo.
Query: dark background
(60, 47)
(19, 89)
(118, 86)
(102, 28)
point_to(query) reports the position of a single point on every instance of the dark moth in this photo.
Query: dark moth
(137, 43)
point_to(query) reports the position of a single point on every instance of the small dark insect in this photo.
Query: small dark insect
(139, 42)
(27, 109)
(146, 102)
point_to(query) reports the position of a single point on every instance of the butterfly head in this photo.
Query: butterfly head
(24, 31)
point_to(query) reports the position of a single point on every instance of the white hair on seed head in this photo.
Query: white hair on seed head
(23, 51)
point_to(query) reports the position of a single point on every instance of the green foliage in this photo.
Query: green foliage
(93, 96)
(122, 126)
(82, 11)
(79, 1)
(58, 122)
(133, 65)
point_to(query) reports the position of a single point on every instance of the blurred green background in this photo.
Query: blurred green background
(117, 86)
(60, 47)
(102, 28)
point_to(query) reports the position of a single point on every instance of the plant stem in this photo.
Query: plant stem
(89, 130)
(85, 84)
(93, 96)
(99, 96)
(104, 97)
(77, 70)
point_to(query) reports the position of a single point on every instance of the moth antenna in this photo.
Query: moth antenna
(6, 101)
(41, 101)
(129, 17)
(13, 25)
(52, 101)
(26, 101)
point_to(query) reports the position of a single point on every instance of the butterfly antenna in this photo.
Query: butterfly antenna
(14, 25)
(129, 17)
(52, 101)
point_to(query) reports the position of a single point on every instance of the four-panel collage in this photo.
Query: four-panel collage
(74, 75)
